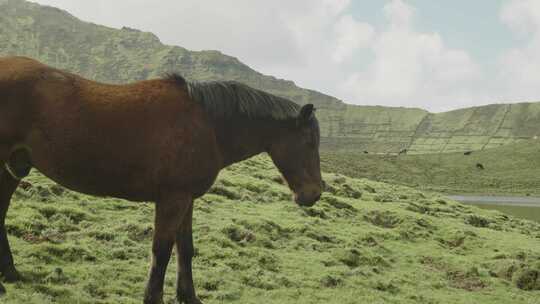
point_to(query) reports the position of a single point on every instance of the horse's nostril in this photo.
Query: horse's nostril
(307, 199)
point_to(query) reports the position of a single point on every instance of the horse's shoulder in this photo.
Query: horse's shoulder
(19, 64)
(21, 70)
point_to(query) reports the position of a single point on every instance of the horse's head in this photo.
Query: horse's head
(296, 155)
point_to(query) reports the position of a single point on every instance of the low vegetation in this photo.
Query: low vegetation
(364, 242)
(507, 170)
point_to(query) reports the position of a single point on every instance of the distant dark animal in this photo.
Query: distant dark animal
(467, 153)
(480, 166)
(162, 140)
(366, 152)
(402, 151)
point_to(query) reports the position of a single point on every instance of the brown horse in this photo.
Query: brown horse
(162, 140)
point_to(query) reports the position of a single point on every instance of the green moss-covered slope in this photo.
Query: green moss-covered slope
(509, 169)
(364, 242)
(122, 55)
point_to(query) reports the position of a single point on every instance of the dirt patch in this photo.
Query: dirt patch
(384, 219)
(528, 279)
(469, 280)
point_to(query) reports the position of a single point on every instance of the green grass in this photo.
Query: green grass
(364, 242)
(524, 212)
(511, 169)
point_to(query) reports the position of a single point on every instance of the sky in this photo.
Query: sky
(432, 54)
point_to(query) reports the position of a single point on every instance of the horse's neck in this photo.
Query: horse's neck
(242, 139)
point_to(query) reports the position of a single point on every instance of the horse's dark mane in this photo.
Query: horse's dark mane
(176, 78)
(231, 99)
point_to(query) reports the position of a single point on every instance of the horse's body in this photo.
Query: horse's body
(74, 127)
(147, 141)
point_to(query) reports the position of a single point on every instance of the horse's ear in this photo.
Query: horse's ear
(307, 113)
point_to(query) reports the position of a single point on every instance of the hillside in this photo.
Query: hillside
(364, 242)
(510, 169)
(118, 56)
(122, 55)
(389, 130)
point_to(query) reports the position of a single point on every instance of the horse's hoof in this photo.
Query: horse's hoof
(153, 300)
(2, 289)
(191, 301)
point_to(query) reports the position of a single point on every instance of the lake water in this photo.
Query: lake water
(523, 207)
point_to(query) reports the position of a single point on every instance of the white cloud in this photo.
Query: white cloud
(412, 68)
(519, 67)
(335, 7)
(399, 13)
(350, 36)
(523, 16)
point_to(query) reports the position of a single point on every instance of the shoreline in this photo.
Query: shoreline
(517, 201)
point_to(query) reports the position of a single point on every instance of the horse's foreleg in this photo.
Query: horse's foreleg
(8, 184)
(169, 214)
(185, 292)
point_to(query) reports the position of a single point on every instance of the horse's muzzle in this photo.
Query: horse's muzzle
(307, 200)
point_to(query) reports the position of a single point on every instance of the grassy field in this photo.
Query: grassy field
(364, 242)
(511, 169)
(524, 212)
